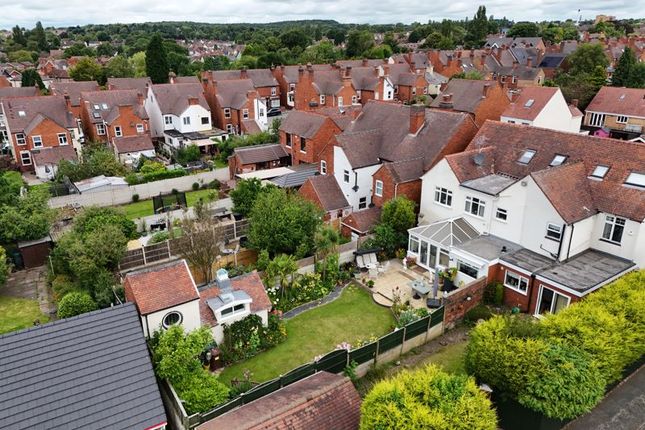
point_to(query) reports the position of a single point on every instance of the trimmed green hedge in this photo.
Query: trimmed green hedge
(138, 178)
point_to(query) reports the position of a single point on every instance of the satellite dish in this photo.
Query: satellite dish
(479, 159)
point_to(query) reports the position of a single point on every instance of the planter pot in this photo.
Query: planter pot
(448, 285)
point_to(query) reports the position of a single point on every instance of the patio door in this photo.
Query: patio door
(550, 301)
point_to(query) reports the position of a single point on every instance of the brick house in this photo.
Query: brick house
(236, 107)
(107, 115)
(139, 84)
(408, 84)
(323, 190)
(128, 149)
(360, 223)
(553, 216)
(73, 90)
(304, 135)
(481, 99)
(36, 123)
(619, 111)
(264, 83)
(8, 92)
(398, 178)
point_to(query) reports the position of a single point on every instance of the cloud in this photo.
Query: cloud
(80, 12)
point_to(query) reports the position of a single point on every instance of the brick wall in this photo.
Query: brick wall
(411, 190)
(48, 131)
(457, 303)
(493, 105)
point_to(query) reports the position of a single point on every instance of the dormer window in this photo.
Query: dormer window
(526, 157)
(557, 160)
(167, 120)
(600, 172)
(636, 180)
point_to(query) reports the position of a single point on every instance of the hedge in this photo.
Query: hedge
(137, 178)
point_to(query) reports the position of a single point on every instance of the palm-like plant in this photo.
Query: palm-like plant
(326, 242)
(282, 268)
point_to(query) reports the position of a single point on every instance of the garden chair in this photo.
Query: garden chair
(360, 262)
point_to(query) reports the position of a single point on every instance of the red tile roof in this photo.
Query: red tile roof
(363, 221)
(330, 196)
(523, 108)
(500, 146)
(141, 142)
(322, 401)
(250, 283)
(619, 101)
(160, 287)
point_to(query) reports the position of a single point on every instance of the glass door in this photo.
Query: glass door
(551, 301)
(423, 255)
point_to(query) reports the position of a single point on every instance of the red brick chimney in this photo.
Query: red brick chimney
(485, 90)
(446, 101)
(243, 73)
(68, 101)
(529, 62)
(348, 72)
(364, 62)
(140, 98)
(574, 102)
(417, 117)
(193, 101)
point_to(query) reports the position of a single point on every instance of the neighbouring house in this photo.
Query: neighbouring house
(392, 132)
(73, 90)
(323, 190)
(264, 83)
(46, 160)
(481, 99)
(321, 401)
(95, 372)
(108, 115)
(360, 223)
(542, 107)
(139, 84)
(551, 63)
(180, 116)
(248, 159)
(407, 84)
(618, 111)
(129, 149)
(8, 92)
(166, 295)
(396, 179)
(35, 123)
(236, 107)
(296, 178)
(305, 135)
(553, 216)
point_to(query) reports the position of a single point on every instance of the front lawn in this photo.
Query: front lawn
(144, 207)
(351, 317)
(16, 314)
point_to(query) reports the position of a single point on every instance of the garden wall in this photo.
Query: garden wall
(346, 255)
(462, 300)
(123, 195)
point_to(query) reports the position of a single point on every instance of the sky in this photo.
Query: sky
(80, 12)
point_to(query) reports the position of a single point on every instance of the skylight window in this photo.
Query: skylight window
(104, 106)
(636, 179)
(529, 103)
(97, 107)
(96, 115)
(527, 156)
(600, 172)
(557, 160)
(21, 113)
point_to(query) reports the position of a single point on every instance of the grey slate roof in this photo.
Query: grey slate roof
(492, 184)
(296, 178)
(173, 98)
(302, 123)
(87, 372)
(260, 153)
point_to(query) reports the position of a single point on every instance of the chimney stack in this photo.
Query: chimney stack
(243, 73)
(529, 62)
(485, 90)
(348, 72)
(140, 98)
(417, 117)
(68, 101)
(364, 62)
(171, 77)
(193, 101)
(446, 101)
(574, 103)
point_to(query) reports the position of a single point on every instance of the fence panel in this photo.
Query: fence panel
(437, 316)
(364, 353)
(261, 390)
(390, 341)
(334, 362)
(417, 327)
(221, 409)
(298, 373)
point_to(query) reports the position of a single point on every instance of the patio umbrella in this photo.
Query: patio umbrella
(435, 283)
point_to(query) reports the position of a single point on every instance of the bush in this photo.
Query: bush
(135, 198)
(305, 289)
(215, 184)
(201, 392)
(159, 237)
(247, 337)
(195, 186)
(494, 294)
(174, 191)
(75, 303)
(479, 312)
(187, 154)
(61, 285)
(427, 398)
(94, 218)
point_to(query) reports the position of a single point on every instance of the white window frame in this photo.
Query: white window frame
(227, 113)
(471, 202)
(440, 194)
(466, 264)
(501, 215)
(537, 304)
(185, 120)
(411, 246)
(362, 203)
(554, 231)
(322, 99)
(22, 158)
(140, 128)
(230, 128)
(167, 119)
(323, 167)
(118, 131)
(274, 91)
(340, 101)
(62, 139)
(100, 129)
(346, 176)
(207, 122)
(173, 312)
(245, 114)
(378, 188)
(622, 119)
(37, 141)
(520, 278)
(354, 100)
(596, 119)
(613, 222)
(21, 140)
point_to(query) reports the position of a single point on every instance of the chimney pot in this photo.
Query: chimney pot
(486, 89)
(243, 73)
(574, 102)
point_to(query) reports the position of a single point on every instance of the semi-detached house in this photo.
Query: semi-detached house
(551, 215)
(618, 112)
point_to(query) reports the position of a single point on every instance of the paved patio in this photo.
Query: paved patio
(31, 284)
(396, 276)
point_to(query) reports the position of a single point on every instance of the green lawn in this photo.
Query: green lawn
(451, 358)
(145, 207)
(351, 317)
(16, 314)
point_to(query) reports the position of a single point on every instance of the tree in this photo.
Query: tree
(30, 218)
(95, 218)
(87, 69)
(96, 160)
(283, 222)
(320, 53)
(201, 243)
(473, 74)
(245, 195)
(41, 37)
(106, 49)
(629, 73)
(281, 268)
(31, 78)
(524, 29)
(637, 76)
(18, 36)
(427, 398)
(157, 66)
(397, 216)
(75, 303)
(585, 75)
(4, 266)
(295, 37)
(478, 28)
(586, 58)
(326, 242)
(138, 61)
(359, 41)
(119, 67)
(219, 62)
(188, 153)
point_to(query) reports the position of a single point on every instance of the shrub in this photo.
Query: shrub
(201, 392)
(174, 191)
(94, 218)
(188, 154)
(159, 237)
(479, 312)
(195, 186)
(215, 184)
(494, 294)
(305, 289)
(427, 398)
(75, 303)
(135, 198)
(62, 285)
(247, 337)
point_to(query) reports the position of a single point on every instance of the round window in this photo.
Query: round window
(171, 319)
